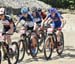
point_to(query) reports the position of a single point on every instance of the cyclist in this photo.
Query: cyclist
(28, 22)
(36, 18)
(26, 17)
(57, 21)
(8, 26)
(42, 13)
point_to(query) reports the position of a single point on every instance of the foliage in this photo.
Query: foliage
(61, 3)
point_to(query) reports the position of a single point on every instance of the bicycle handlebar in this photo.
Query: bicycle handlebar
(6, 33)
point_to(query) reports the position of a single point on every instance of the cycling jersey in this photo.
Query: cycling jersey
(43, 15)
(37, 18)
(6, 23)
(27, 21)
(56, 22)
(29, 18)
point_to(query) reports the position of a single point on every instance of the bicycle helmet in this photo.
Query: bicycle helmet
(24, 10)
(39, 9)
(52, 10)
(2, 10)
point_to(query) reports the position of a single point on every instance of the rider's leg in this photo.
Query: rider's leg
(5, 37)
(58, 25)
(33, 37)
(58, 35)
(8, 39)
(52, 43)
(5, 44)
(34, 41)
(58, 38)
(5, 47)
(35, 26)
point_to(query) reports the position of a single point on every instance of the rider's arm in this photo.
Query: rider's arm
(11, 30)
(19, 20)
(61, 19)
(46, 20)
(63, 22)
(17, 23)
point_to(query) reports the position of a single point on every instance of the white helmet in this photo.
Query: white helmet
(2, 10)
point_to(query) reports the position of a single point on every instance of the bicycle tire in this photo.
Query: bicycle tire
(59, 53)
(50, 49)
(9, 61)
(30, 48)
(22, 50)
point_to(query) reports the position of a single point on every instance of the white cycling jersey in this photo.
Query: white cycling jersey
(27, 23)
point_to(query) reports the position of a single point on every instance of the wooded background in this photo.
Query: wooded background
(70, 4)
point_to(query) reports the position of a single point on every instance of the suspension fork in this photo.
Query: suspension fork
(51, 40)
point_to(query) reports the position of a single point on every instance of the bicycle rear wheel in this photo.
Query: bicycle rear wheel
(60, 45)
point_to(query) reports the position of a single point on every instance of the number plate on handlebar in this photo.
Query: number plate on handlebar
(50, 30)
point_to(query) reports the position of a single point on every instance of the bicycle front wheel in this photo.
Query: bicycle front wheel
(33, 50)
(47, 48)
(21, 50)
(13, 53)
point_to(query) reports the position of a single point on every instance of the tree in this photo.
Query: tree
(60, 3)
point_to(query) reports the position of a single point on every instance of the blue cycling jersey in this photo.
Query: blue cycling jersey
(29, 18)
(56, 17)
(56, 22)
(37, 18)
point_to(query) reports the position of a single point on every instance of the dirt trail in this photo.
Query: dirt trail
(68, 56)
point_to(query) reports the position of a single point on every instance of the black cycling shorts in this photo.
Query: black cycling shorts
(7, 29)
(30, 28)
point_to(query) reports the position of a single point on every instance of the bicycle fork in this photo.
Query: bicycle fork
(51, 42)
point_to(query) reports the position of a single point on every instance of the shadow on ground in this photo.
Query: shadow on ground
(42, 58)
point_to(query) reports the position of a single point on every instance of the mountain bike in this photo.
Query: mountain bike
(11, 52)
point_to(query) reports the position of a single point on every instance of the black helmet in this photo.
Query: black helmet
(39, 9)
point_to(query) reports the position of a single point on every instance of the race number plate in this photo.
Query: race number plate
(50, 30)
